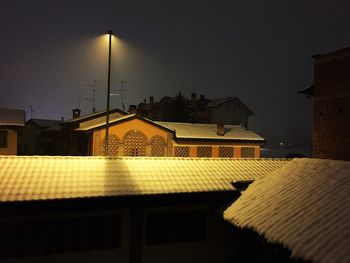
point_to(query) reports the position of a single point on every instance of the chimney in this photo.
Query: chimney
(151, 101)
(193, 97)
(220, 129)
(201, 97)
(132, 108)
(76, 113)
(62, 119)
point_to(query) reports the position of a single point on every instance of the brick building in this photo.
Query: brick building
(331, 109)
(132, 135)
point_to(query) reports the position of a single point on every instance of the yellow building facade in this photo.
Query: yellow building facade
(131, 135)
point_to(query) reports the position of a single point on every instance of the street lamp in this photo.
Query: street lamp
(108, 90)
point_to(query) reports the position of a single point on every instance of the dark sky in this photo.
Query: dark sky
(259, 51)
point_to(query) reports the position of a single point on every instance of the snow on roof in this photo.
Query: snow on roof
(24, 178)
(185, 130)
(94, 115)
(12, 117)
(304, 205)
(209, 131)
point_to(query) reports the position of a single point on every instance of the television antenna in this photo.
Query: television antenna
(121, 93)
(93, 98)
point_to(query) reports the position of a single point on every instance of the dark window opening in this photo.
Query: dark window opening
(3, 138)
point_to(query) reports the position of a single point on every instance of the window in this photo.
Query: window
(175, 227)
(3, 138)
(204, 151)
(247, 152)
(226, 152)
(135, 143)
(182, 151)
(158, 146)
(52, 236)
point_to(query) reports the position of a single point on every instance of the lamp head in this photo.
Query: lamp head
(109, 32)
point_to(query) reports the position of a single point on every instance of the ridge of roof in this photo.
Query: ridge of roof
(92, 115)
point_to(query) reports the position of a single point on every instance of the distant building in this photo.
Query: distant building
(41, 137)
(331, 105)
(131, 135)
(230, 110)
(11, 123)
(97, 209)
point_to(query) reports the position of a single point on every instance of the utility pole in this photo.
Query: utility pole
(108, 90)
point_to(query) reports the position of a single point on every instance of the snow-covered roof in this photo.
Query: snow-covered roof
(304, 205)
(24, 178)
(209, 131)
(12, 117)
(185, 130)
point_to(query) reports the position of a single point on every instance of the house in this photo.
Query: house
(89, 209)
(132, 135)
(11, 123)
(302, 207)
(230, 110)
(41, 137)
(331, 105)
(78, 143)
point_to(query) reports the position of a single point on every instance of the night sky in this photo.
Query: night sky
(259, 51)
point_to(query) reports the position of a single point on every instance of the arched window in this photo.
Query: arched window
(113, 144)
(158, 146)
(135, 143)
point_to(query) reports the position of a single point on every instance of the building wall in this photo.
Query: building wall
(228, 113)
(331, 136)
(30, 138)
(118, 146)
(216, 243)
(11, 148)
(215, 148)
(120, 131)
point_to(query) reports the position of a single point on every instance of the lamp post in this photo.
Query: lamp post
(108, 90)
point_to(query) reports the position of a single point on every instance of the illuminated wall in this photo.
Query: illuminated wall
(139, 138)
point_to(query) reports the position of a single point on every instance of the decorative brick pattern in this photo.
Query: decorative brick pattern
(204, 151)
(158, 145)
(181, 151)
(135, 143)
(113, 144)
(226, 152)
(247, 152)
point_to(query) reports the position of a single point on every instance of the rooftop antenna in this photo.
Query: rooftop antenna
(121, 92)
(93, 99)
(122, 82)
(31, 111)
